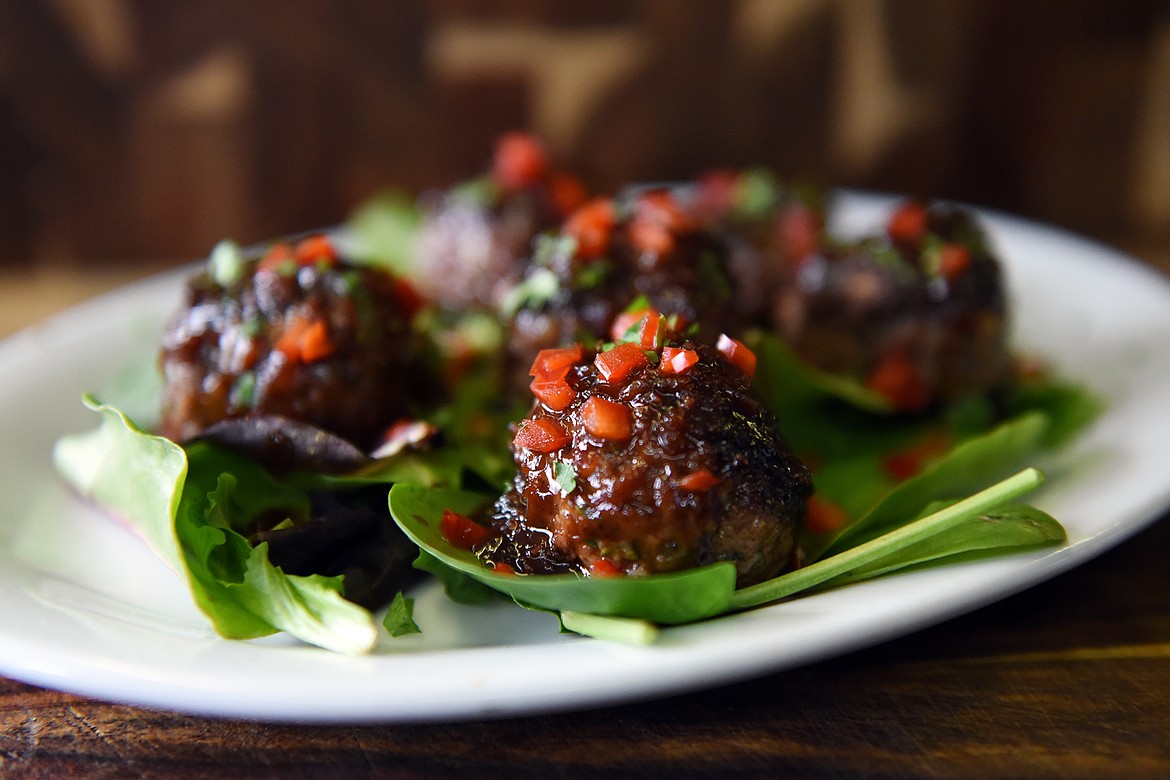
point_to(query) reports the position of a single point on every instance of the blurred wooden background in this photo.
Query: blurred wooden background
(140, 131)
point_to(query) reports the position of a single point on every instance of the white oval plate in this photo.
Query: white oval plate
(88, 609)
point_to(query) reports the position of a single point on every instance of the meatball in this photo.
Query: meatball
(629, 466)
(297, 333)
(609, 256)
(473, 240)
(918, 315)
(767, 225)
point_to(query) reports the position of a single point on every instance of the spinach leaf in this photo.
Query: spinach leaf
(789, 376)
(680, 597)
(972, 525)
(957, 528)
(1017, 528)
(971, 465)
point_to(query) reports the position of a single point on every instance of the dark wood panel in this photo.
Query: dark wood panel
(1042, 108)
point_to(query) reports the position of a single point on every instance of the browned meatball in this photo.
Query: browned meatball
(609, 255)
(474, 240)
(767, 226)
(631, 466)
(297, 333)
(918, 315)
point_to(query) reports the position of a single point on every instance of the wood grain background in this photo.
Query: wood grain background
(133, 130)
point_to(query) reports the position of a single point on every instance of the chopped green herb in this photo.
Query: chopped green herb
(252, 327)
(640, 303)
(481, 192)
(540, 287)
(932, 247)
(565, 477)
(547, 247)
(713, 279)
(591, 275)
(385, 228)
(755, 194)
(226, 263)
(399, 620)
(243, 392)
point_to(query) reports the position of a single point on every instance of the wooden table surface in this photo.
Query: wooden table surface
(1068, 679)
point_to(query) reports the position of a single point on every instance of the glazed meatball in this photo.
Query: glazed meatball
(767, 226)
(608, 256)
(918, 315)
(297, 333)
(627, 465)
(474, 239)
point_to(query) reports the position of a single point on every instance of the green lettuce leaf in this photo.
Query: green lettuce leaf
(189, 506)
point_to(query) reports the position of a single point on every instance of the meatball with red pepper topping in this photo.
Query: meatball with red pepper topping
(610, 254)
(296, 333)
(767, 225)
(917, 315)
(474, 239)
(637, 460)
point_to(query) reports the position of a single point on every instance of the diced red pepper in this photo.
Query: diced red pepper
(824, 516)
(555, 363)
(897, 379)
(623, 322)
(676, 360)
(592, 226)
(902, 465)
(566, 192)
(715, 194)
(953, 260)
(606, 419)
(277, 257)
(651, 237)
(541, 434)
(800, 233)
(649, 323)
(907, 225)
(499, 567)
(738, 353)
(662, 208)
(616, 365)
(461, 531)
(519, 161)
(409, 297)
(658, 220)
(698, 481)
(603, 567)
(315, 249)
(556, 394)
(402, 434)
(305, 341)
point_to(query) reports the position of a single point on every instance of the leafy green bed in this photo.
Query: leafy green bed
(194, 505)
